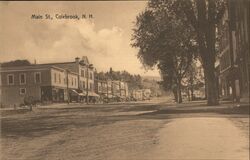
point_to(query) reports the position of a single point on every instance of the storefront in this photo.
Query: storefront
(229, 83)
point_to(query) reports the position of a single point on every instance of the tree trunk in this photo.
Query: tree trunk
(192, 93)
(192, 86)
(175, 94)
(205, 78)
(179, 91)
(179, 95)
(206, 30)
(188, 93)
(211, 86)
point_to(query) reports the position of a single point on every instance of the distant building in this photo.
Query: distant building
(101, 88)
(112, 89)
(85, 72)
(146, 94)
(234, 51)
(120, 89)
(141, 94)
(137, 95)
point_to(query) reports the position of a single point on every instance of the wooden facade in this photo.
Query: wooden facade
(53, 82)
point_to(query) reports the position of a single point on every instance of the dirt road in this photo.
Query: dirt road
(153, 130)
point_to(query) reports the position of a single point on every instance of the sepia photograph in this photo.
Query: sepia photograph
(125, 80)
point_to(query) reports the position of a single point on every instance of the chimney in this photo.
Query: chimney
(77, 59)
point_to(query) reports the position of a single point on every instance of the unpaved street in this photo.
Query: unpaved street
(147, 130)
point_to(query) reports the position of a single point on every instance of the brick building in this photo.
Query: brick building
(234, 51)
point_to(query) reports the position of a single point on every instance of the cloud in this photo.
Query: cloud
(63, 40)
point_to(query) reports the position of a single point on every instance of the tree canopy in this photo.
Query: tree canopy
(165, 41)
(16, 63)
(134, 81)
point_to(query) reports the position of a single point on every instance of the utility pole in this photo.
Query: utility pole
(112, 88)
(120, 88)
(107, 90)
(67, 77)
(87, 89)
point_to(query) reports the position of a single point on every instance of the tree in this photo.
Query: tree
(165, 41)
(203, 16)
(16, 63)
(194, 80)
(173, 74)
(134, 81)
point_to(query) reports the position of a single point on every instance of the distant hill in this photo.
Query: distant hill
(156, 78)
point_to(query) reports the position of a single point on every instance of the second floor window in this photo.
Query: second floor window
(59, 78)
(22, 77)
(83, 84)
(10, 79)
(55, 77)
(90, 75)
(82, 73)
(37, 77)
(90, 86)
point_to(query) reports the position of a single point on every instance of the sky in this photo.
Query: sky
(105, 39)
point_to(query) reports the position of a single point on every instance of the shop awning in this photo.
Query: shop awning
(93, 94)
(82, 93)
(111, 96)
(74, 92)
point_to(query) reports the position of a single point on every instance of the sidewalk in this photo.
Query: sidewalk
(201, 138)
(226, 107)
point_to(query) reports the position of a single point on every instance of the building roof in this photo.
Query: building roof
(21, 68)
(85, 59)
(55, 63)
(43, 66)
(33, 67)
